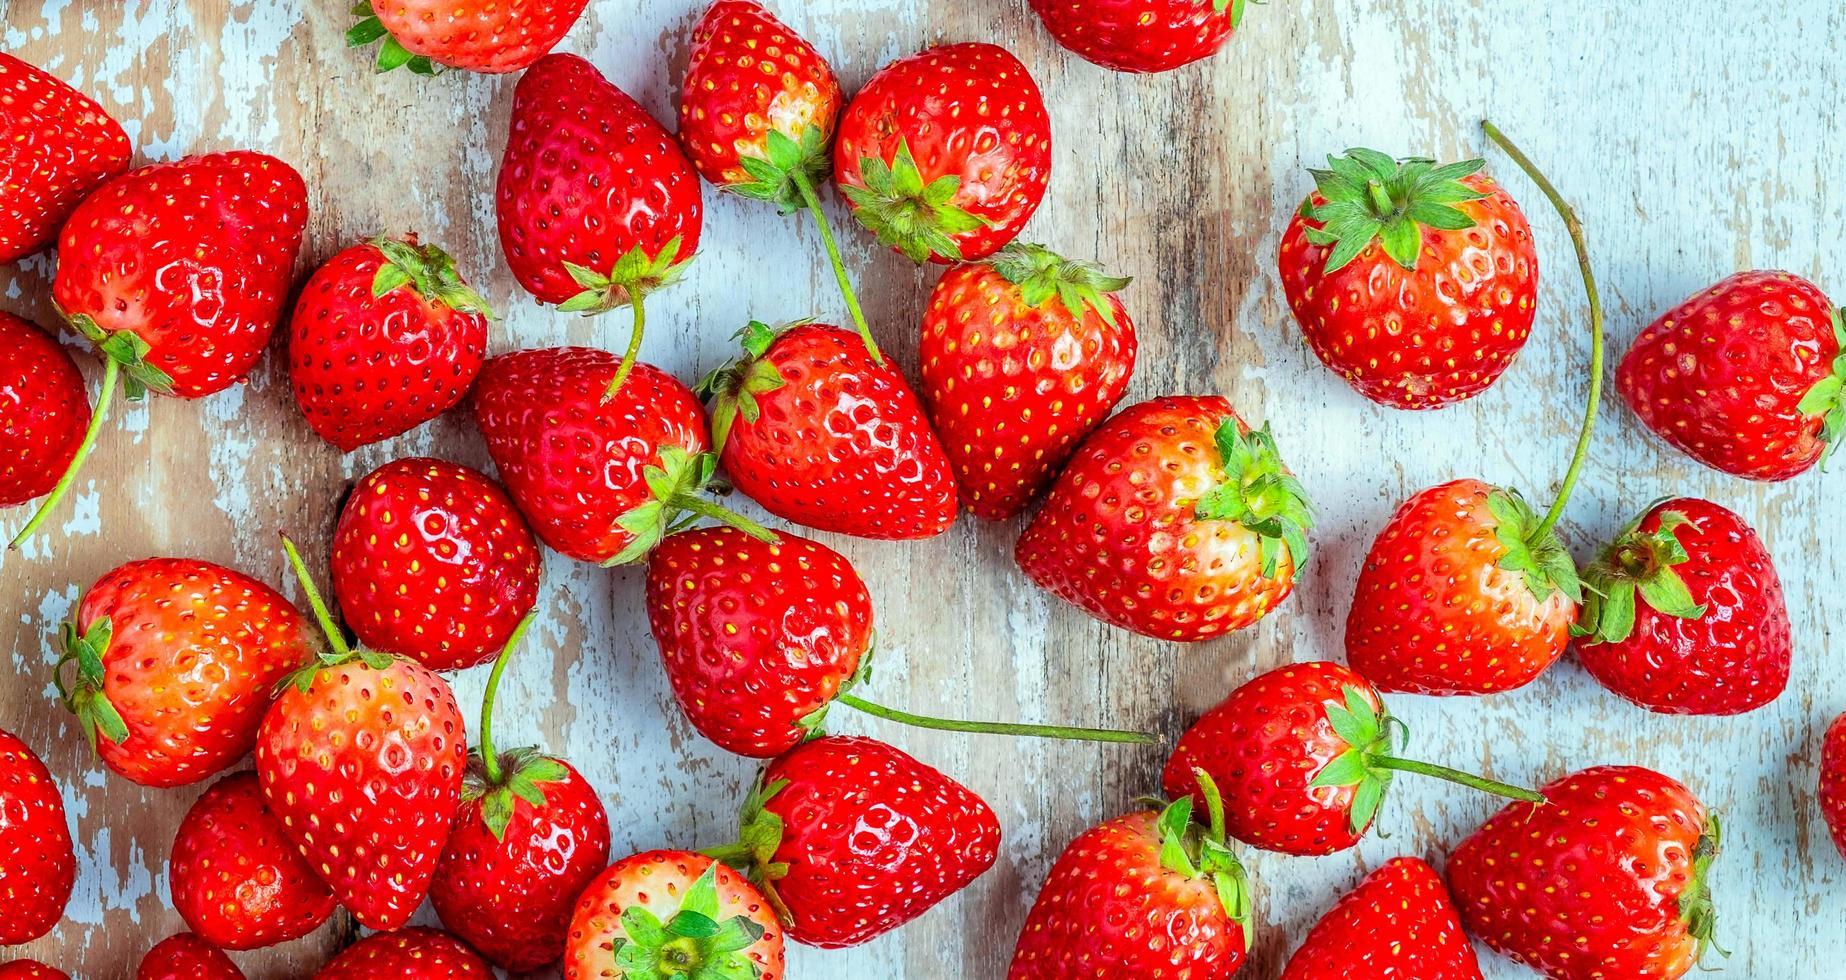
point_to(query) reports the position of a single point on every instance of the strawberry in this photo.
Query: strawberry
(384, 740)
(529, 837)
(1141, 35)
(1608, 879)
(38, 866)
(1746, 377)
(1399, 924)
(1415, 283)
(44, 410)
(431, 561)
(1303, 755)
(1022, 355)
(597, 205)
(1832, 794)
(944, 155)
(850, 838)
(1151, 895)
(409, 954)
(673, 913)
(56, 145)
(30, 970)
(1174, 520)
(1684, 613)
(187, 957)
(817, 432)
(385, 336)
(489, 36)
(235, 877)
(175, 663)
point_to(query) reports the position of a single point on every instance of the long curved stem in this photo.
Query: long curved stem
(1467, 779)
(717, 512)
(321, 615)
(636, 301)
(996, 727)
(112, 371)
(806, 187)
(490, 759)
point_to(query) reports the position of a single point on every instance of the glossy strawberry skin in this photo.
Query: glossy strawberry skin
(969, 111)
(511, 899)
(572, 462)
(43, 407)
(30, 970)
(490, 36)
(1139, 35)
(409, 954)
(1109, 909)
(390, 745)
(755, 636)
(1435, 614)
(1832, 794)
(194, 257)
(56, 145)
(656, 880)
(1013, 388)
(748, 74)
(587, 177)
(1586, 887)
(1720, 376)
(38, 866)
(1399, 924)
(432, 561)
(235, 877)
(187, 957)
(1427, 337)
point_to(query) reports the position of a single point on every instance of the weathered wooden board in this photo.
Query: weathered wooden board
(1693, 144)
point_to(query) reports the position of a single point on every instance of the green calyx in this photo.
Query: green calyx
(428, 271)
(83, 696)
(1533, 549)
(129, 351)
(676, 483)
(778, 177)
(1636, 563)
(1697, 909)
(733, 388)
(634, 275)
(692, 945)
(1369, 197)
(339, 652)
(1259, 493)
(1236, 8)
(759, 836)
(392, 55)
(915, 218)
(1828, 396)
(1195, 851)
(814, 723)
(1042, 274)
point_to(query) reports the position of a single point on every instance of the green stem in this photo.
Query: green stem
(490, 759)
(808, 196)
(995, 727)
(112, 370)
(1575, 228)
(724, 515)
(321, 615)
(634, 346)
(1467, 779)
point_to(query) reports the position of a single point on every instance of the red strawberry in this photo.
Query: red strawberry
(529, 837)
(1022, 355)
(597, 205)
(38, 866)
(44, 409)
(945, 154)
(850, 838)
(1609, 879)
(1684, 613)
(384, 337)
(432, 562)
(1417, 284)
(1141, 35)
(1399, 924)
(236, 878)
(56, 145)
(176, 661)
(1745, 377)
(491, 36)
(382, 737)
(30, 970)
(1303, 755)
(1174, 520)
(409, 954)
(673, 913)
(1151, 895)
(187, 957)
(817, 432)
(1832, 793)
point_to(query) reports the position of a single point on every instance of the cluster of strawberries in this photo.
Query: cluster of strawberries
(1170, 518)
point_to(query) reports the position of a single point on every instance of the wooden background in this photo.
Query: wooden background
(1694, 144)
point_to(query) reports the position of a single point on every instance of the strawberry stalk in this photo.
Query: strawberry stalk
(633, 351)
(339, 651)
(1201, 852)
(676, 484)
(805, 186)
(490, 762)
(996, 727)
(112, 370)
(498, 779)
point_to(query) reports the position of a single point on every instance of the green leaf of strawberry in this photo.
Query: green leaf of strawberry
(776, 179)
(1260, 494)
(84, 695)
(916, 219)
(1636, 563)
(1196, 851)
(428, 271)
(1545, 563)
(1042, 274)
(1368, 197)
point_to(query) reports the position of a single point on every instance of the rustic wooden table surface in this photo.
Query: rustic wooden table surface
(1693, 145)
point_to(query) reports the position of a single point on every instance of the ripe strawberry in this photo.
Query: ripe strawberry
(1746, 377)
(1174, 520)
(1151, 895)
(187, 957)
(44, 409)
(1022, 355)
(850, 838)
(382, 737)
(529, 837)
(384, 337)
(432, 562)
(673, 913)
(56, 145)
(1608, 879)
(596, 203)
(38, 866)
(817, 432)
(408, 954)
(30, 970)
(1303, 755)
(1832, 793)
(1141, 35)
(490, 36)
(944, 155)
(1684, 613)
(1399, 924)
(175, 662)
(1417, 284)
(235, 877)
